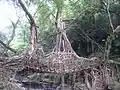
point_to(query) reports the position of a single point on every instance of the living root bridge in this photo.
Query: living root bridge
(26, 64)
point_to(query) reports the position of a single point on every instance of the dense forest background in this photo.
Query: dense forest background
(88, 26)
(34, 44)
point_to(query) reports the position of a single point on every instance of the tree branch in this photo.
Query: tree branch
(109, 16)
(56, 18)
(26, 11)
(6, 46)
(111, 36)
(13, 31)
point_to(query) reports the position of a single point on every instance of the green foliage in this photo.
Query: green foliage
(88, 16)
(91, 16)
(22, 37)
(46, 19)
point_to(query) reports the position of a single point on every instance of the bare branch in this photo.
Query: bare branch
(13, 31)
(6, 46)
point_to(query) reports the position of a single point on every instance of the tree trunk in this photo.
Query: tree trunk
(33, 36)
(33, 29)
